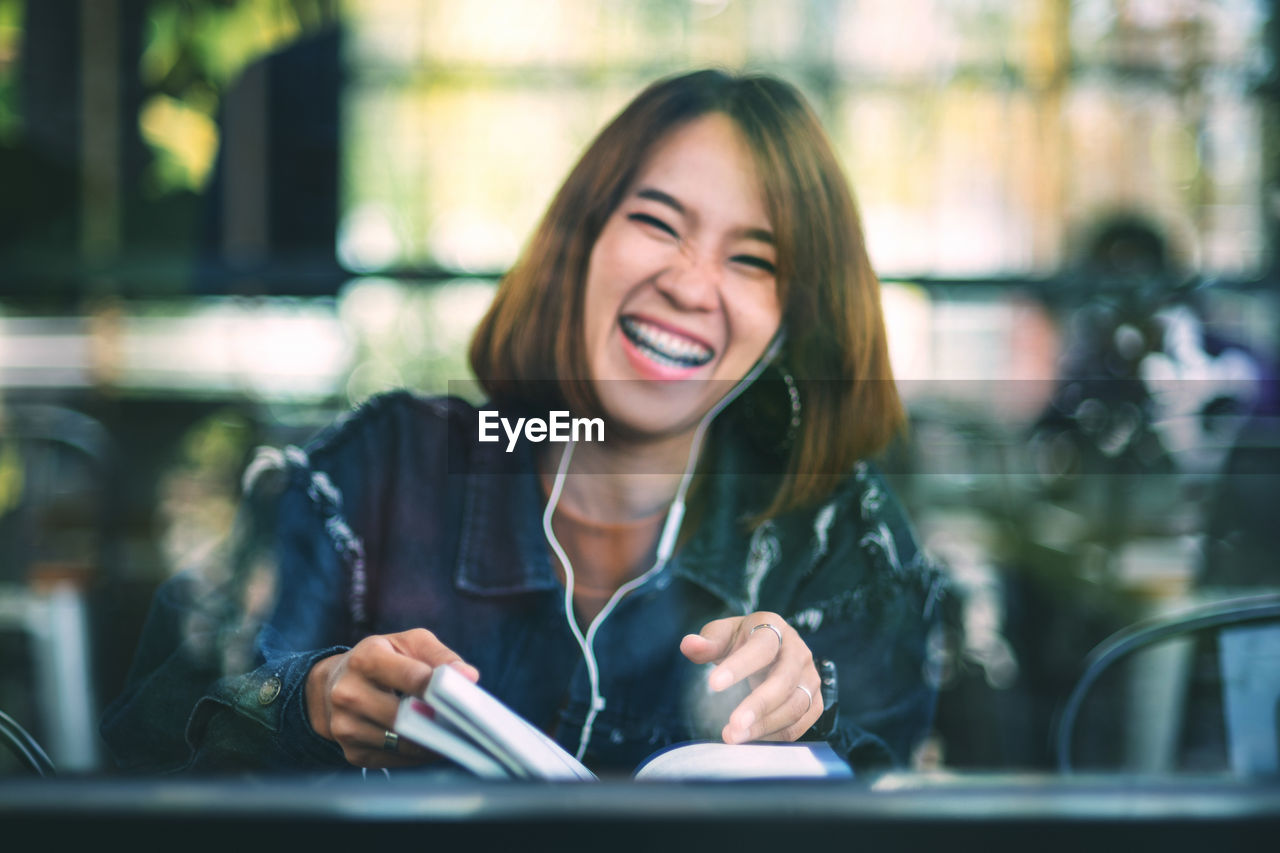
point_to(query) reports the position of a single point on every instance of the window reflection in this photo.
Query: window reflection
(1090, 447)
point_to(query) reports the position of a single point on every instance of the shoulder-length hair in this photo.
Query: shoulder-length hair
(533, 331)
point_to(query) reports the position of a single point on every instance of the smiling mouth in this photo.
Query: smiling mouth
(664, 347)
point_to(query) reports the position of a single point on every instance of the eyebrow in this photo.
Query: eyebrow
(652, 194)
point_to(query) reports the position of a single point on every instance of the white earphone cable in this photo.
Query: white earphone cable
(666, 541)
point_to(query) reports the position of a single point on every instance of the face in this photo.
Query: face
(681, 293)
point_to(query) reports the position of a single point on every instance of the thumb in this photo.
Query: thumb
(712, 643)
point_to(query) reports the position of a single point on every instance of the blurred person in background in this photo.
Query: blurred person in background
(700, 283)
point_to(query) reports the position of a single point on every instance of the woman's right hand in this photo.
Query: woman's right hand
(352, 698)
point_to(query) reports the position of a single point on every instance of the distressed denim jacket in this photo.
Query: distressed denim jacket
(396, 518)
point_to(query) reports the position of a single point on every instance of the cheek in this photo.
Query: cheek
(610, 262)
(597, 275)
(593, 322)
(608, 271)
(756, 319)
(600, 301)
(604, 269)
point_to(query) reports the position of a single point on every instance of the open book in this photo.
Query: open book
(465, 723)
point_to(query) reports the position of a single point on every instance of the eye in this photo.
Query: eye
(754, 261)
(653, 222)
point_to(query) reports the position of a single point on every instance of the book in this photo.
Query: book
(468, 725)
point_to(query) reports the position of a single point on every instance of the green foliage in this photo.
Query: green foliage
(194, 52)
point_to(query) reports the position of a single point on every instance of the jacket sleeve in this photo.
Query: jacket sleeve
(872, 604)
(217, 683)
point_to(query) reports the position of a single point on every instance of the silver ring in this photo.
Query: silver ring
(773, 628)
(390, 740)
(808, 696)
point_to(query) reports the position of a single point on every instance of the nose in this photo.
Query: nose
(692, 281)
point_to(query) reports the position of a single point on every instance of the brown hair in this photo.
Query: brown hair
(829, 293)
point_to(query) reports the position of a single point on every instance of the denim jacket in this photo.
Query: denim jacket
(396, 518)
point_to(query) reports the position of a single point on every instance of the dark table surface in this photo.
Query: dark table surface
(895, 812)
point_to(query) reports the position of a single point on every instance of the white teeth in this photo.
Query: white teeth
(666, 347)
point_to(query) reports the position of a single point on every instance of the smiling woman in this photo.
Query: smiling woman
(690, 577)
(769, 217)
(681, 283)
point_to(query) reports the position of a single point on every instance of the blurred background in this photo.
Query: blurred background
(222, 222)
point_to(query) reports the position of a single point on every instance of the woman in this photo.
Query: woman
(703, 252)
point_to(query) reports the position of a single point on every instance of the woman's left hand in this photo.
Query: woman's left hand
(776, 663)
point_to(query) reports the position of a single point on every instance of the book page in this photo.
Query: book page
(415, 721)
(503, 733)
(716, 760)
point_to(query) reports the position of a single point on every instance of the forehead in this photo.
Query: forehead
(709, 159)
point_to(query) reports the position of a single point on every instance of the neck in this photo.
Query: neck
(622, 483)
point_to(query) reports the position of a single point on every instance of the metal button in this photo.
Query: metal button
(269, 690)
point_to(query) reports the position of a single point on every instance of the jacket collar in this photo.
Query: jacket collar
(716, 557)
(503, 551)
(501, 547)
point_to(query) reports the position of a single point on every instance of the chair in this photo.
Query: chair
(1248, 631)
(25, 747)
(51, 537)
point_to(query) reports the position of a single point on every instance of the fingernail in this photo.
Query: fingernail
(745, 720)
(720, 679)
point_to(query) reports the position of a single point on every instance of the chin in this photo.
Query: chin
(639, 410)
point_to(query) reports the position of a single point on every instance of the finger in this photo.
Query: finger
(756, 650)
(472, 674)
(772, 694)
(712, 642)
(380, 661)
(793, 718)
(358, 698)
(425, 646)
(369, 749)
(365, 739)
(786, 718)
